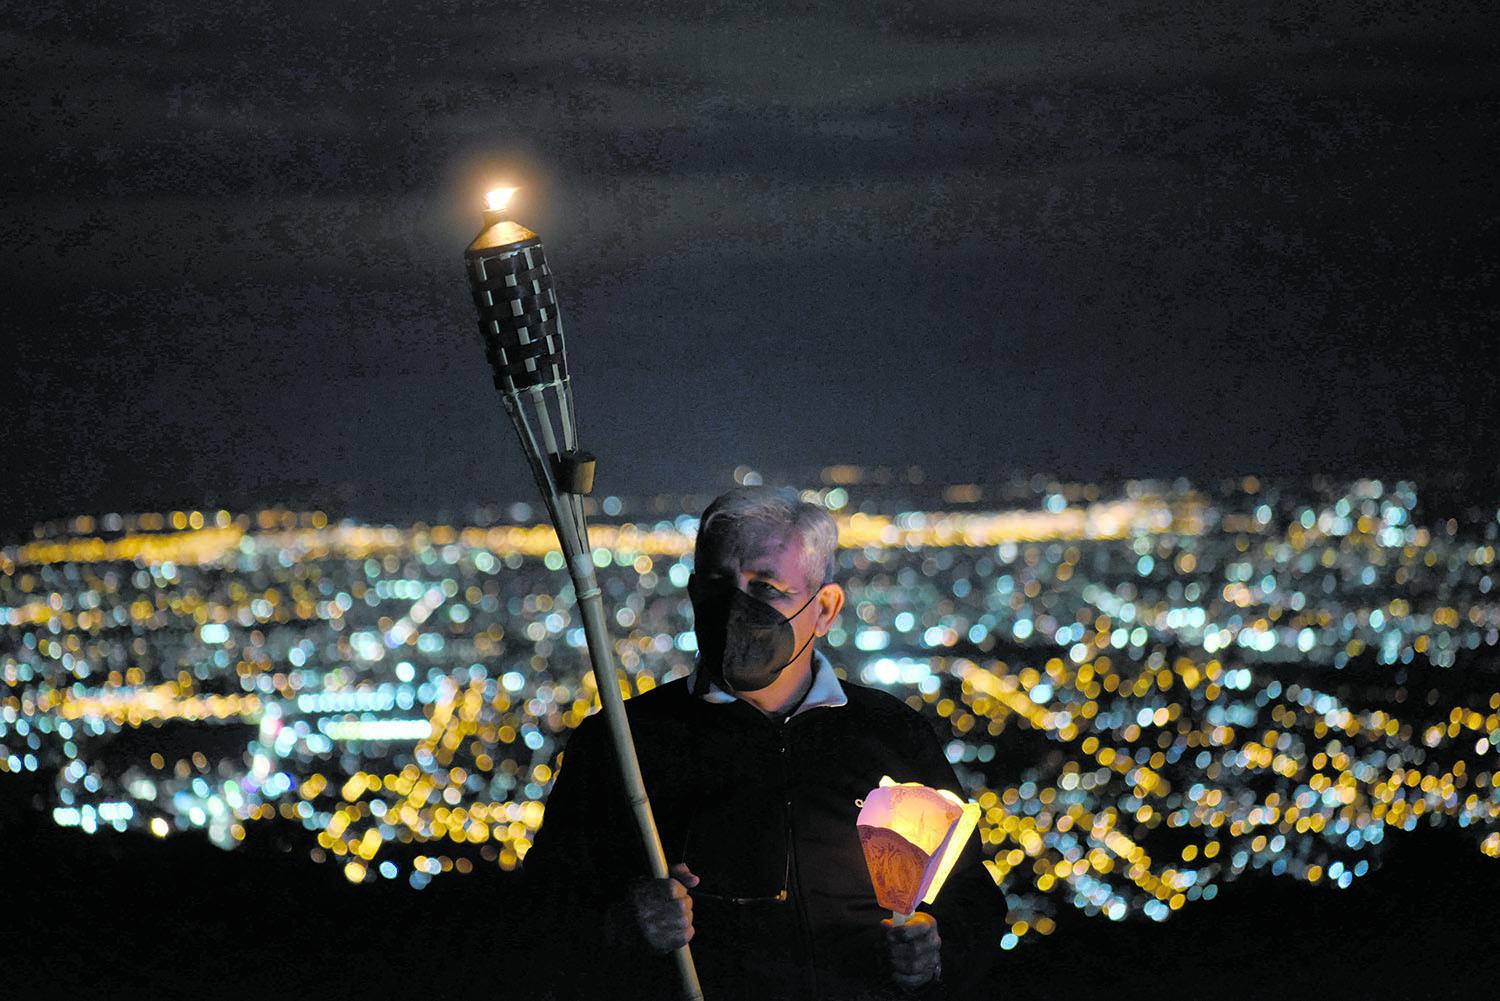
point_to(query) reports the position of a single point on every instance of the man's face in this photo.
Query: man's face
(772, 571)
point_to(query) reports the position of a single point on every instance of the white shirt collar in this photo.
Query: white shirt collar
(825, 691)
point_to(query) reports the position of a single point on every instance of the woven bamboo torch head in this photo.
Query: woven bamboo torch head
(513, 292)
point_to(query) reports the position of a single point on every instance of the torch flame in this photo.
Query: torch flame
(497, 199)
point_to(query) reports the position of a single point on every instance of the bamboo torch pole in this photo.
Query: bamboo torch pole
(523, 338)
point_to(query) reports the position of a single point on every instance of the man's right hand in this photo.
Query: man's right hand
(662, 909)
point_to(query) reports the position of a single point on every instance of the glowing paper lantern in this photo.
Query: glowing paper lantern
(912, 835)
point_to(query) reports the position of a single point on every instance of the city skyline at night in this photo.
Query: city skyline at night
(1149, 693)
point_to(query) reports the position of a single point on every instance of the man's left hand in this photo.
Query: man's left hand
(914, 949)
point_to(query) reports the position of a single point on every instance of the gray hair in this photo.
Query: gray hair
(746, 519)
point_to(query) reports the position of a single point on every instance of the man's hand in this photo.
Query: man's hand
(914, 949)
(662, 909)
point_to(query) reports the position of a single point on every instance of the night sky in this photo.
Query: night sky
(1089, 238)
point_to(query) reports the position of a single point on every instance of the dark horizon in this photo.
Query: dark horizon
(1443, 492)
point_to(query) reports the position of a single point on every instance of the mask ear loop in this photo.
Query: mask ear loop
(811, 636)
(816, 591)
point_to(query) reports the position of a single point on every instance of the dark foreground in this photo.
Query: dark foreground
(115, 915)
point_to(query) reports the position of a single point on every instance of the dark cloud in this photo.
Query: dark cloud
(1079, 236)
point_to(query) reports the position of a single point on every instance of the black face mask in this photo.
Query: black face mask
(743, 643)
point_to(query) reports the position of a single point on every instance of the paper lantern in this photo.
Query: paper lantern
(912, 835)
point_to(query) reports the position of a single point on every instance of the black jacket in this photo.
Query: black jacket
(764, 814)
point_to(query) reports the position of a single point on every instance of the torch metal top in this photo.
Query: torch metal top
(500, 234)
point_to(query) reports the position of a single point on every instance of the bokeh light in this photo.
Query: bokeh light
(1149, 691)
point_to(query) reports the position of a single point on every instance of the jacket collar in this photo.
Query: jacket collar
(826, 692)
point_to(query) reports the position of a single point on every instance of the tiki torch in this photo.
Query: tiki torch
(523, 340)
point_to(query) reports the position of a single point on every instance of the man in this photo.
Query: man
(753, 766)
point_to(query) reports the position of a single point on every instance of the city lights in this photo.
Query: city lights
(1245, 678)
